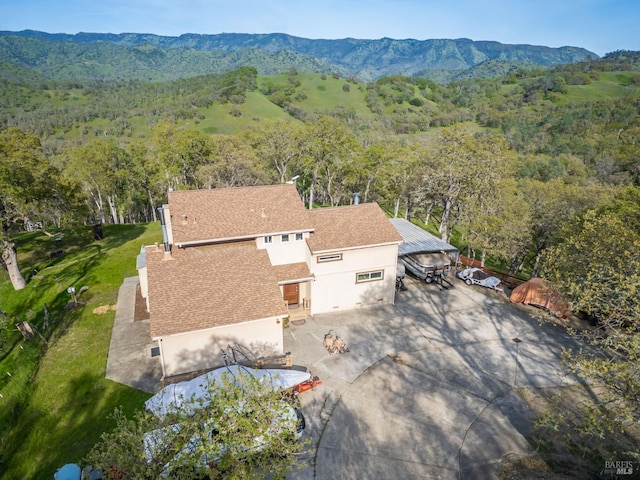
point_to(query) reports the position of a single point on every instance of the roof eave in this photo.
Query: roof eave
(189, 332)
(344, 249)
(253, 236)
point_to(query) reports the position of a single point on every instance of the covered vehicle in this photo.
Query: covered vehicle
(427, 266)
(172, 398)
(477, 276)
(542, 294)
(400, 273)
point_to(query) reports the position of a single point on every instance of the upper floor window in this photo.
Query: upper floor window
(268, 239)
(298, 236)
(285, 237)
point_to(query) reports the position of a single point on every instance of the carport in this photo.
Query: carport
(416, 240)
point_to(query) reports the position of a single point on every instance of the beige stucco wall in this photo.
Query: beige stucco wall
(335, 286)
(203, 349)
(282, 253)
(144, 285)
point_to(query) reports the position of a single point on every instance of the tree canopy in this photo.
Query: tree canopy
(239, 427)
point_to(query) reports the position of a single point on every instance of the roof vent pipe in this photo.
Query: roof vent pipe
(356, 198)
(165, 239)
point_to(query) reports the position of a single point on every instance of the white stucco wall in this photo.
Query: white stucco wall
(144, 285)
(282, 253)
(335, 286)
(201, 350)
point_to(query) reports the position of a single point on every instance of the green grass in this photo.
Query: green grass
(255, 108)
(324, 96)
(611, 85)
(57, 401)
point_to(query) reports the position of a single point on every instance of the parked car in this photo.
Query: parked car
(427, 266)
(476, 276)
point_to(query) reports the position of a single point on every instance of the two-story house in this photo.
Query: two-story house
(236, 262)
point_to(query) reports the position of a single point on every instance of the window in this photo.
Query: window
(268, 239)
(369, 276)
(298, 236)
(285, 237)
(330, 258)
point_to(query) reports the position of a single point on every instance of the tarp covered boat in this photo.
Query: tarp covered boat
(172, 398)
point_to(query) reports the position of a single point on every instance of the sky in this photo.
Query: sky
(600, 26)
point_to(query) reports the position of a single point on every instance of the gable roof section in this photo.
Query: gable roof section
(351, 226)
(210, 286)
(417, 240)
(239, 212)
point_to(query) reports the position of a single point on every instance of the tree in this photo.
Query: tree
(552, 204)
(596, 266)
(180, 153)
(328, 155)
(104, 169)
(26, 179)
(234, 164)
(278, 144)
(463, 169)
(499, 226)
(240, 428)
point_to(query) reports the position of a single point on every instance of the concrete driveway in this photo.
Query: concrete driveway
(429, 388)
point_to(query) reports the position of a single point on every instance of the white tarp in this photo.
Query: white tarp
(172, 397)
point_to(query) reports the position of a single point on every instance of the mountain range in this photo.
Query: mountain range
(63, 56)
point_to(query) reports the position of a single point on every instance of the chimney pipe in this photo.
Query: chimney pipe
(165, 239)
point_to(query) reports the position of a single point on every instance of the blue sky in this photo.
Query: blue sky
(597, 25)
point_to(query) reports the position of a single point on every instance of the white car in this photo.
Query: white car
(476, 276)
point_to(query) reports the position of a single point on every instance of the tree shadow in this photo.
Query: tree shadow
(460, 343)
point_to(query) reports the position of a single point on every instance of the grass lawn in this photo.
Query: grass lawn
(610, 85)
(58, 400)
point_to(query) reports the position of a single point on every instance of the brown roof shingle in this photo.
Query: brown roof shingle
(350, 226)
(210, 286)
(221, 213)
(292, 271)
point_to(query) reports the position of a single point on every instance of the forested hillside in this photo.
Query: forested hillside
(575, 125)
(134, 56)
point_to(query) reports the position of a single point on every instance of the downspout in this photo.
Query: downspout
(162, 359)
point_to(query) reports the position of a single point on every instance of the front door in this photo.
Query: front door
(291, 293)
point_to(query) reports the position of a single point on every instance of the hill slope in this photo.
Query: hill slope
(97, 55)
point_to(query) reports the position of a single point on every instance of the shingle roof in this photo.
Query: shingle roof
(210, 286)
(350, 226)
(417, 239)
(221, 213)
(292, 272)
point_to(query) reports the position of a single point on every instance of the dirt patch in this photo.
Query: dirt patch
(534, 467)
(101, 310)
(141, 306)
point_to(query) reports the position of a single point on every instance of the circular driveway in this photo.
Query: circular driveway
(429, 388)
